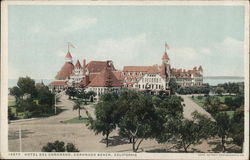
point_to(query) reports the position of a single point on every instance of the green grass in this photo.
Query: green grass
(230, 113)
(76, 120)
(222, 98)
(200, 102)
(11, 103)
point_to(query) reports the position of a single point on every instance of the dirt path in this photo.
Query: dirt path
(38, 132)
(191, 106)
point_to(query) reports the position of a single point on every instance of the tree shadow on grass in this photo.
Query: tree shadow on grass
(174, 148)
(15, 135)
(229, 149)
(115, 141)
(58, 111)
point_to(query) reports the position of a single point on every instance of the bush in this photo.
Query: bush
(58, 146)
(27, 115)
(223, 107)
(11, 115)
(199, 97)
(194, 90)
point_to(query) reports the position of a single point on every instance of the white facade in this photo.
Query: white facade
(151, 82)
(102, 90)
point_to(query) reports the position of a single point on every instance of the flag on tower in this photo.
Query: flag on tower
(71, 45)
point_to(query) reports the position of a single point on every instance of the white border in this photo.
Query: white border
(4, 82)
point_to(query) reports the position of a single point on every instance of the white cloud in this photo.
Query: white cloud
(72, 25)
(228, 58)
(78, 23)
(205, 51)
(230, 47)
(123, 51)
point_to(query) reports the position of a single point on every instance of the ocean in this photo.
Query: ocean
(210, 80)
(215, 81)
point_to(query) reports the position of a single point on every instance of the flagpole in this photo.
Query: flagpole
(68, 46)
(165, 48)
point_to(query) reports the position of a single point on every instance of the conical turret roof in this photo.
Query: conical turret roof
(68, 55)
(165, 56)
(78, 64)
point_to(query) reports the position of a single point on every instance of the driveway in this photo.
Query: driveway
(38, 132)
(191, 106)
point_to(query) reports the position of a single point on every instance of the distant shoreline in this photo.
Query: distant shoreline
(223, 77)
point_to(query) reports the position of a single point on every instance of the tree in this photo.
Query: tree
(83, 95)
(175, 127)
(44, 96)
(11, 115)
(27, 85)
(212, 104)
(71, 92)
(219, 90)
(193, 131)
(16, 92)
(58, 146)
(91, 94)
(137, 117)
(173, 86)
(70, 147)
(222, 127)
(105, 121)
(237, 128)
(78, 107)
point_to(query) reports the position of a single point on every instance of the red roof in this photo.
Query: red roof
(118, 75)
(105, 79)
(153, 70)
(68, 55)
(98, 66)
(78, 64)
(165, 56)
(136, 68)
(65, 71)
(58, 83)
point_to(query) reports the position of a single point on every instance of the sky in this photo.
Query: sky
(210, 36)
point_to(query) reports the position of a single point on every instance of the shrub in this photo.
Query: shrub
(58, 146)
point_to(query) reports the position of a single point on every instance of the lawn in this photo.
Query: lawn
(230, 113)
(11, 102)
(201, 101)
(76, 120)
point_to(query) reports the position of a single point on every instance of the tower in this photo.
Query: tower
(165, 68)
(68, 57)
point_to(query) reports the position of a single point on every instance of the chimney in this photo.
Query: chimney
(109, 63)
(86, 78)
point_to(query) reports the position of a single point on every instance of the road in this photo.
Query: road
(38, 132)
(191, 106)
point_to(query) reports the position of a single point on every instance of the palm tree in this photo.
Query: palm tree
(78, 106)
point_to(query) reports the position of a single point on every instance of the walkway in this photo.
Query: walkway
(38, 132)
(191, 106)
